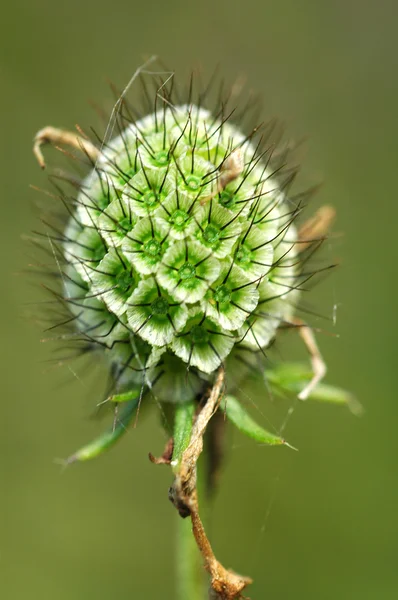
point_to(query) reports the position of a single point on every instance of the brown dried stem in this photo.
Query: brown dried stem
(229, 170)
(316, 228)
(55, 136)
(226, 584)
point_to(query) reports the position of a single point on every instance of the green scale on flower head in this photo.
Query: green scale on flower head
(177, 211)
(187, 270)
(116, 221)
(202, 343)
(113, 280)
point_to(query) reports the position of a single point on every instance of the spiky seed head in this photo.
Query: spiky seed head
(180, 250)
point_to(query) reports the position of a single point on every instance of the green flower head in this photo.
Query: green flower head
(181, 241)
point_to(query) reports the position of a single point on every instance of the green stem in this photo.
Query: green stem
(191, 583)
(190, 571)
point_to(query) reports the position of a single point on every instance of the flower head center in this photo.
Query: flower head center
(124, 225)
(187, 271)
(193, 182)
(211, 234)
(199, 335)
(179, 217)
(152, 247)
(226, 198)
(243, 255)
(222, 294)
(161, 158)
(150, 199)
(160, 306)
(124, 281)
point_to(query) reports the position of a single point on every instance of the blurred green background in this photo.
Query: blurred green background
(318, 524)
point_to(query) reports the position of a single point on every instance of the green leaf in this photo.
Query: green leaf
(183, 419)
(246, 424)
(108, 439)
(291, 378)
(124, 397)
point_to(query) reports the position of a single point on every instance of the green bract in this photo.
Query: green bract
(176, 258)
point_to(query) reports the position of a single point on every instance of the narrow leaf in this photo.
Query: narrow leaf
(246, 424)
(107, 439)
(125, 397)
(292, 378)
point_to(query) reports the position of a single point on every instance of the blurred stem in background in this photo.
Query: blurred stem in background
(190, 572)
